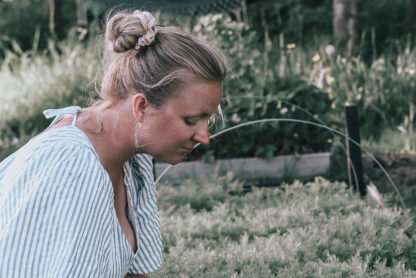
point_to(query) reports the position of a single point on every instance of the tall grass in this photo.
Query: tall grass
(32, 81)
(383, 89)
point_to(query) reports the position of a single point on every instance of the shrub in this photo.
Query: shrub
(263, 83)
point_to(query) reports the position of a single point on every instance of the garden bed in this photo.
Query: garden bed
(401, 166)
(318, 229)
(250, 169)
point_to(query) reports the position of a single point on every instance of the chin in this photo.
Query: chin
(172, 160)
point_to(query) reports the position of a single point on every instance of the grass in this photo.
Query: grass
(317, 229)
(397, 141)
(33, 81)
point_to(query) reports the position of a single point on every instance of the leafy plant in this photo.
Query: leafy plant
(316, 229)
(262, 84)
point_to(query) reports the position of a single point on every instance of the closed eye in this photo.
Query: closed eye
(191, 122)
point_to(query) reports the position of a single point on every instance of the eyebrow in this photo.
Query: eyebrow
(199, 115)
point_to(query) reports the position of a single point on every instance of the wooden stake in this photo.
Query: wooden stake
(352, 130)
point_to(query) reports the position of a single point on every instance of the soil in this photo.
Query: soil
(401, 166)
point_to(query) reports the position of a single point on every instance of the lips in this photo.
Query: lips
(188, 150)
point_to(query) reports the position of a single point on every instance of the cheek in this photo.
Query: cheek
(174, 131)
(180, 132)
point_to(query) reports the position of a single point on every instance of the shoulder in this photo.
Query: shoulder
(59, 156)
(63, 136)
(64, 143)
(57, 198)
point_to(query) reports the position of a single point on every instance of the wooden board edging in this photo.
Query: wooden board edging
(279, 167)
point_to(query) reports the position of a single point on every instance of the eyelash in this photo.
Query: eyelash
(190, 123)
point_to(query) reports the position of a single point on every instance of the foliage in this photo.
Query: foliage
(272, 69)
(20, 19)
(261, 84)
(317, 229)
(304, 20)
(377, 35)
(299, 20)
(32, 81)
(270, 77)
(383, 90)
(396, 141)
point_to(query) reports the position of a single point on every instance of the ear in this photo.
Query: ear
(140, 103)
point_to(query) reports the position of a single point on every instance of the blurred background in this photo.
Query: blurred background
(302, 59)
(315, 54)
(291, 59)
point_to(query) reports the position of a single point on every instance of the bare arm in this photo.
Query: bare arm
(136, 276)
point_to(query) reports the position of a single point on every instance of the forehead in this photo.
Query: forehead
(197, 97)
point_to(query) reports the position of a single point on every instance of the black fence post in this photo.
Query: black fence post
(352, 130)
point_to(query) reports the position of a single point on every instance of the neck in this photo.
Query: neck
(109, 126)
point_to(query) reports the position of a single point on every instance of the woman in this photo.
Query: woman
(79, 200)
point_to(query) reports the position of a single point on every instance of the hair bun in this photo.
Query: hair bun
(127, 31)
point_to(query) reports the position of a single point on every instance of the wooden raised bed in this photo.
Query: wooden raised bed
(250, 169)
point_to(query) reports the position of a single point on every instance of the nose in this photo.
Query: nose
(202, 135)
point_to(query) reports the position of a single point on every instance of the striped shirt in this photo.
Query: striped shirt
(57, 215)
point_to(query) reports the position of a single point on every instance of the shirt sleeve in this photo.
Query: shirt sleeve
(52, 215)
(143, 190)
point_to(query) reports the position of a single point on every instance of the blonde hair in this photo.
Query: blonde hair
(154, 60)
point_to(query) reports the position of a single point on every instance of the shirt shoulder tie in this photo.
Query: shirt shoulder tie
(61, 112)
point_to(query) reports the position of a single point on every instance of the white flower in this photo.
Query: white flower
(235, 118)
(291, 46)
(330, 80)
(329, 49)
(217, 17)
(283, 111)
(316, 58)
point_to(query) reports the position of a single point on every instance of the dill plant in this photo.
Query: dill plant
(314, 229)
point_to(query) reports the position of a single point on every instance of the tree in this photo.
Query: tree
(344, 24)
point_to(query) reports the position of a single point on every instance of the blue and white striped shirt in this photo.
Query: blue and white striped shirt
(57, 216)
